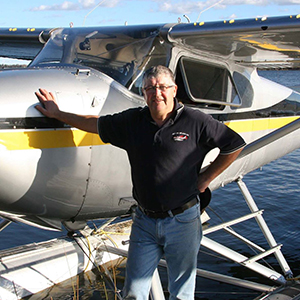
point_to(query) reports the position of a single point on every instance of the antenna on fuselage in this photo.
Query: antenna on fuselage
(188, 19)
(208, 9)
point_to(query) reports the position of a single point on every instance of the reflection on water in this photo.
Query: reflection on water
(91, 285)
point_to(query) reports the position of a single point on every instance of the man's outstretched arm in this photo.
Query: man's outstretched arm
(50, 109)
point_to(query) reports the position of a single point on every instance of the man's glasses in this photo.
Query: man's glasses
(152, 88)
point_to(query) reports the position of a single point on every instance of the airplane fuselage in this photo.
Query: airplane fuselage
(52, 173)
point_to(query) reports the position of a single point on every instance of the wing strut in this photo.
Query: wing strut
(271, 137)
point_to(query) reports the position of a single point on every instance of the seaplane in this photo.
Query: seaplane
(53, 176)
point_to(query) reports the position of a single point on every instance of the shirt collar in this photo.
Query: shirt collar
(178, 108)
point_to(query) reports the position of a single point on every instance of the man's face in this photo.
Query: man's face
(160, 100)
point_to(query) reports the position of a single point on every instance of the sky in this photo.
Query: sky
(61, 13)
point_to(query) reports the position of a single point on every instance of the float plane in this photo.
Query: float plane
(54, 176)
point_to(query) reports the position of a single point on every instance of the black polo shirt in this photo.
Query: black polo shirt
(165, 161)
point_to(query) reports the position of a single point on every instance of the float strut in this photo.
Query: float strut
(264, 228)
(156, 292)
(4, 224)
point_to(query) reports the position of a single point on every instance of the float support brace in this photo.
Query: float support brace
(264, 228)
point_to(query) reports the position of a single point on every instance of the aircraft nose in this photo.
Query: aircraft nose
(32, 167)
(46, 167)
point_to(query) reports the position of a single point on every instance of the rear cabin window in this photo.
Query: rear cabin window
(204, 85)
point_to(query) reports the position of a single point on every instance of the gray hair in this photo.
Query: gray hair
(156, 71)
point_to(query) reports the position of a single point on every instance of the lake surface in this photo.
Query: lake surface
(275, 189)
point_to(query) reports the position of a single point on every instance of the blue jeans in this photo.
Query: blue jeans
(177, 239)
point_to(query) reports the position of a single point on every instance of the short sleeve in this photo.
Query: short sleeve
(219, 135)
(114, 129)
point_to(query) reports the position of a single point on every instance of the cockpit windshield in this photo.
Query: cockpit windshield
(122, 53)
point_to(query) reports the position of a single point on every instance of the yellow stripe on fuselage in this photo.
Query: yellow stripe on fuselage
(250, 125)
(44, 139)
(63, 138)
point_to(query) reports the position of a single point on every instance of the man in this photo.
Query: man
(166, 144)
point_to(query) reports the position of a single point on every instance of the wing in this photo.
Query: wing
(22, 43)
(265, 43)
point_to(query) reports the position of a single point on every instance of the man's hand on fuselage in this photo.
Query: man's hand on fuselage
(48, 107)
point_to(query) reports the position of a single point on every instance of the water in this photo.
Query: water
(275, 189)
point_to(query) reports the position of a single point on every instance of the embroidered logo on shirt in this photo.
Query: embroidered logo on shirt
(180, 136)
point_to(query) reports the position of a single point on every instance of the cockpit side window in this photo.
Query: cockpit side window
(244, 89)
(205, 85)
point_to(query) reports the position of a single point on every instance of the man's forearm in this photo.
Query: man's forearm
(221, 163)
(85, 123)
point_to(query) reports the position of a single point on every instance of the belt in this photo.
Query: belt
(171, 212)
